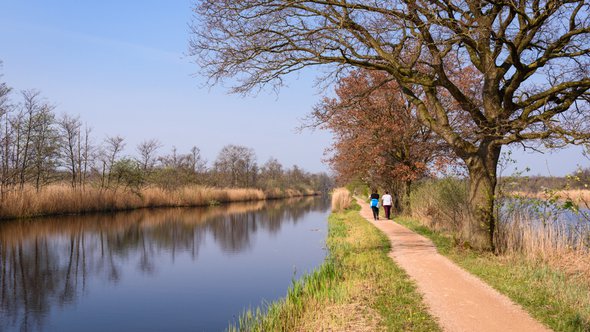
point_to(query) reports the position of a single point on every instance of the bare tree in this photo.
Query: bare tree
(532, 58)
(85, 153)
(198, 164)
(109, 155)
(76, 149)
(32, 140)
(45, 147)
(4, 93)
(4, 136)
(271, 174)
(236, 166)
(69, 128)
(173, 160)
(30, 107)
(147, 153)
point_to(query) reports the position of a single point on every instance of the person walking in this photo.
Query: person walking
(375, 204)
(387, 202)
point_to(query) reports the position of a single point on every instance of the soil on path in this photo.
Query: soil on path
(459, 300)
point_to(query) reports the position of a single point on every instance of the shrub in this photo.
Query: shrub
(441, 204)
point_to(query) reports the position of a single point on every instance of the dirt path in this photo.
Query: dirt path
(459, 300)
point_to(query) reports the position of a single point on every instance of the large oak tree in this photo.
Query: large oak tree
(532, 55)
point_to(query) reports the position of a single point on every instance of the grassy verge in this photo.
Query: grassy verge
(559, 300)
(358, 288)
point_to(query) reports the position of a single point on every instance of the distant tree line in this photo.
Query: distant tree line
(578, 180)
(39, 147)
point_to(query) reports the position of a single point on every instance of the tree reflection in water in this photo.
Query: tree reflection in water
(49, 262)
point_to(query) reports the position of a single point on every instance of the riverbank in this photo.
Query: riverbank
(358, 288)
(63, 199)
(555, 297)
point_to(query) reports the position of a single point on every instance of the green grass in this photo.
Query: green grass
(560, 301)
(358, 288)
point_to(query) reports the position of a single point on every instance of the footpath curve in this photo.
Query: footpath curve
(459, 300)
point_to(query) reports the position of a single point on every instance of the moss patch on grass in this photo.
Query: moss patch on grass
(560, 301)
(358, 288)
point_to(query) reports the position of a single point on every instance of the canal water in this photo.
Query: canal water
(185, 269)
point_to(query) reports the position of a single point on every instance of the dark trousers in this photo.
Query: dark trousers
(387, 209)
(375, 212)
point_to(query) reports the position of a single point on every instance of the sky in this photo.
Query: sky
(122, 67)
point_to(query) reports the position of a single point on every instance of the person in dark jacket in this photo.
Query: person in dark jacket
(375, 204)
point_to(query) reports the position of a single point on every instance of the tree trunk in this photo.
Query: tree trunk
(479, 229)
(407, 204)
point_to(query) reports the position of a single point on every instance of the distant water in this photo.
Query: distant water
(543, 211)
(191, 269)
(554, 217)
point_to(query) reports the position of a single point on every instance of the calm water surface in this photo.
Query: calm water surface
(155, 270)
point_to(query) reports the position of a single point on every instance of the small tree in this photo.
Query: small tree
(271, 174)
(196, 162)
(69, 129)
(4, 136)
(236, 166)
(109, 155)
(45, 147)
(147, 153)
(180, 169)
(128, 173)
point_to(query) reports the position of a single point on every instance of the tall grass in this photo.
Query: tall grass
(63, 199)
(541, 231)
(341, 199)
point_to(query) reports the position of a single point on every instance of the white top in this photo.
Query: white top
(386, 199)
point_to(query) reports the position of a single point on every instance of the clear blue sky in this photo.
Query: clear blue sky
(120, 65)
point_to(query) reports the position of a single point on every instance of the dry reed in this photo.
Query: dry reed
(341, 199)
(560, 243)
(63, 199)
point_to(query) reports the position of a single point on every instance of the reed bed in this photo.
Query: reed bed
(546, 237)
(341, 199)
(62, 199)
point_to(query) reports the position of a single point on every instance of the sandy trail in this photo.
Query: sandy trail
(458, 299)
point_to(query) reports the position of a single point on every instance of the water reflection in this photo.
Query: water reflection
(48, 263)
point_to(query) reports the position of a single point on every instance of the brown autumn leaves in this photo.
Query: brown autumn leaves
(378, 137)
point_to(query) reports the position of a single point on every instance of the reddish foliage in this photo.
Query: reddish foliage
(378, 138)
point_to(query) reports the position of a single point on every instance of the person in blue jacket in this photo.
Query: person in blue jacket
(375, 204)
